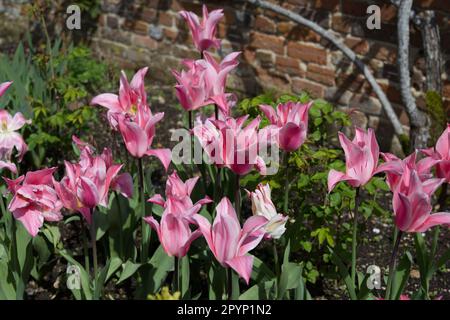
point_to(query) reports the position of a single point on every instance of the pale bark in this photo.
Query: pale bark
(419, 121)
(392, 116)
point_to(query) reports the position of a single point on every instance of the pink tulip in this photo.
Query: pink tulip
(394, 168)
(138, 133)
(204, 32)
(34, 199)
(87, 182)
(228, 242)
(174, 232)
(191, 89)
(229, 144)
(291, 121)
(263, 206)
(10, 139)
(412, 203)
(178, 195)
(3, 87)
(361, 157)
(131, 95)
(216, 78)
(442, 153)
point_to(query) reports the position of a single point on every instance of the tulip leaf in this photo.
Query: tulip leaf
(343, 271)
(261, 272)
(290, 273)
(401, 275)
(115, 264)
(185, 277)
(84, 277)
(128, 269)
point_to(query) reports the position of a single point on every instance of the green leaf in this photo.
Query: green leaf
(343, 271)
(401, 275)
(128, 269)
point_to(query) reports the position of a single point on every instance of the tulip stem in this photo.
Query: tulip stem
(191, 125)
(355, 232)
(94, 244)
(442, 201)
(393, 265)
(176, 275)
(286, 184)
(84, 227)
(277, 267)
(237, 198)
(230, 283)
(144, 240)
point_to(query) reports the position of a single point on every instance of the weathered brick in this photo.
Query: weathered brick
(366, 104)
(285, 27)
(341, 23)
(330, 5)
(288, 65)
(149, 15)
(166, 19)
(265, 57)
(265, 24)
(360, 46)
(307, 53)
(170, 33)
(144, 42)
(112, 22)
(268, 42)
(321, 74)
(315, 89)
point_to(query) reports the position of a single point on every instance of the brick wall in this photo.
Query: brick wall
(278, 54)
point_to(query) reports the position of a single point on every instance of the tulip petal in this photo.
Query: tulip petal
(434, 220)
(4, 86)
(269, 112)
(164, 155)
(158, 200)
(31, 219)
(124, 184)
(243, 265)
(291, 137)
(107, 100)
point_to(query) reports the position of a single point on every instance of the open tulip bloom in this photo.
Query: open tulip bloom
(442, 153)
(290, 120)
(174, 230)
(203, 32)
(10, 139)
(34, 199)
(361, 159)
(228, 242)
(178, 195)
(87, 183)
(263, 206)
(229, 144)
(138, 132)
(412, 203)
(395, 167)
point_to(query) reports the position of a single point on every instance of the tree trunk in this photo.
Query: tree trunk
(419, 121)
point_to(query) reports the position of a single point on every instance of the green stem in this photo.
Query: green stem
(191, 125)
(237, 198)
(355, 232)
(393, 265)
(286, 184)
(176, 275)
(277, 268)
(119, 208)
(144, 236)
(94, 245)
(85, 229)
(230, 283)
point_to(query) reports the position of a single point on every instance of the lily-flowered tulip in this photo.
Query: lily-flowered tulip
(131, 95)
(263, 206)
(4, 86)
(229, 144)
(291, 122)
(412, 203)
(87, 182)
(228, 242)
(361, 159)
(216, 78)
(178, 195)
(174, 231)
(203, 32)
(10, 139)
(138, 133)
(442, 153)
(394, 168)
(34, 200)
(191, 90)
